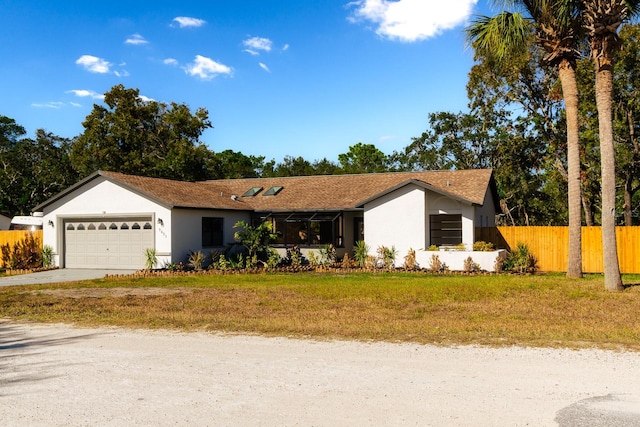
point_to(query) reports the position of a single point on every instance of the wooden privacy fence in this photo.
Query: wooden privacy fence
(13, 236)
(550, 245)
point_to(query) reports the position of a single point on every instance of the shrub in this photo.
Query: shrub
(151, 258)
(460, 247)
(255, 239)
(313, 259)
(470, 266)
(273, 259)
(221, 263)
(294, 256)
(521, 260)
(236, 254)
(481, 246)
(196, 260)
(498, 265)
(170, 266)
(347, 262)
(387, 257)
(371, 262)
(327, 254)
(410, 260)
(47, 256)
(360, 253)
(436, 265)
(433, 248)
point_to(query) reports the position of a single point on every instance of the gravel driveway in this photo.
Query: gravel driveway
(55, 375)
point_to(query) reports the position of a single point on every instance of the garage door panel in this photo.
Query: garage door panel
(108, 243)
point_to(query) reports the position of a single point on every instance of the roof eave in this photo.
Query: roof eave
(110, 178)
(421, 184)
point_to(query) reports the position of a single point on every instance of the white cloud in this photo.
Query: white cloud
(264, 67)
(412, 20)
(75, 104)
(123, 73)
(94, 64)
(251, 52)
(185, 21)
(206, 68)
(145, 98)
(136, 39)
(285, 47)
(254, 44)
(170, 61)
(84, 93)
(53, 105)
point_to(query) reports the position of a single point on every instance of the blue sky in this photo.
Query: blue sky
(278, 77)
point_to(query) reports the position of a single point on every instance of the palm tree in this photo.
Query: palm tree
(602, 19)
(556, 26)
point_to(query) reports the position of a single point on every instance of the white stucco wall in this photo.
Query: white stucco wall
(397, 220)
(400, 219)
(486, 214)
(186, 226)
(101, 199)
(454, 260)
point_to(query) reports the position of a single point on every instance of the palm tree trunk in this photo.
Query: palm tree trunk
(604, 90)
(567, 74)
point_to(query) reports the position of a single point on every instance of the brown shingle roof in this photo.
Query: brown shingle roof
(325, 192)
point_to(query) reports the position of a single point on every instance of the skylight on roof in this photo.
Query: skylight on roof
(272, 191)
(252, 192)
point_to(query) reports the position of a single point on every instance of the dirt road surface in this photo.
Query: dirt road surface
(57, 375)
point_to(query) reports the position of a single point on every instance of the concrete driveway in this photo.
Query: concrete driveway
(59, 275)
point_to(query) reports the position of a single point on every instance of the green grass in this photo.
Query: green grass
(500, 310)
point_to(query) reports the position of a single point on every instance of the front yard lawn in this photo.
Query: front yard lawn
(497, 310)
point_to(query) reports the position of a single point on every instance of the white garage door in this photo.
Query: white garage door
(108, 243)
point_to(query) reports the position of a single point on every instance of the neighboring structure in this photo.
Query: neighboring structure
(108, 219)
(5, 221)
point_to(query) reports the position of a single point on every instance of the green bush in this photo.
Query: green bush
(481, 246)
(521, 260)
(47, 256)
(151, 258)
(360, 253)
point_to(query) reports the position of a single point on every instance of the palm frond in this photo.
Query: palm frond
(499, 35)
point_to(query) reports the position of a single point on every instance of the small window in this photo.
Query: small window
(70, 227)
(445, 230)
(102, 227)
(212, 231)
(135, 226)
(272, 191)
(91, 227)
(113, 226)
(124, 226)
(147, 226)
(80, 227)
(252, 192)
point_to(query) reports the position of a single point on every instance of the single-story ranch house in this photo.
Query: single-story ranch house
(109, 219)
